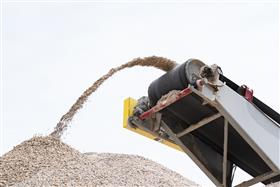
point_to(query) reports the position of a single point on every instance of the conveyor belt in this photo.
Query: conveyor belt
(190, 110)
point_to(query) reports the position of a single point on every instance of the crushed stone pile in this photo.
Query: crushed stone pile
(46, 161)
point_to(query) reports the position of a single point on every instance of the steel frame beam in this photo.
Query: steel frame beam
(225, 153)
(195, 159)
(199, 124)
(250, 142)
(257, 179)
(250, 182)
(190, 154)
(234, 124)
(243, 134)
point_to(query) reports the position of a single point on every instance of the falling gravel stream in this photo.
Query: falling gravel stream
(153, 61)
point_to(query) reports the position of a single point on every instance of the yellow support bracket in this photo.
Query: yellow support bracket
(129, 104)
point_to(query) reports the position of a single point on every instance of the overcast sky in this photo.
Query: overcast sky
(53, 51)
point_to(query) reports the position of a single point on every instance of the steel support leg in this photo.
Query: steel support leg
(225, 153)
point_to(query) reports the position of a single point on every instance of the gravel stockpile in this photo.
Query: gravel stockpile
(33, 155)
(46, 161)
(136, 170)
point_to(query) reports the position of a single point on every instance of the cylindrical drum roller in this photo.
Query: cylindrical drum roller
(176, 79)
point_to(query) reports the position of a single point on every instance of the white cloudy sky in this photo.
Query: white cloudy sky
(53, 51)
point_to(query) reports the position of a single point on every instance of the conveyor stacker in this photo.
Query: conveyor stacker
(218, 125)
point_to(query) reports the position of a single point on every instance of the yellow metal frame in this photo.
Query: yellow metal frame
(129, 104)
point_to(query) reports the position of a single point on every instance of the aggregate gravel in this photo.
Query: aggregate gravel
(46, 161)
